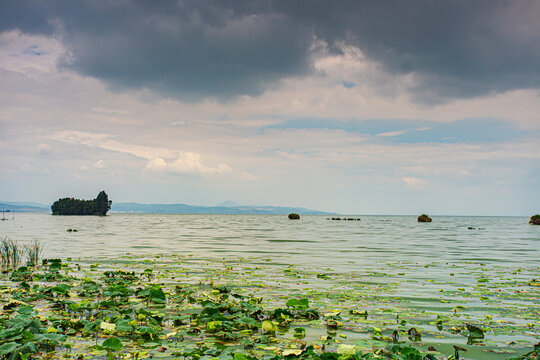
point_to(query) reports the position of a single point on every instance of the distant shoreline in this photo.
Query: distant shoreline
(132, 207)
(279, 214)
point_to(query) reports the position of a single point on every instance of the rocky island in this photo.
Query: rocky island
(71, 206)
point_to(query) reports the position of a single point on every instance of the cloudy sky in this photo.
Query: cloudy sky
(365, 107)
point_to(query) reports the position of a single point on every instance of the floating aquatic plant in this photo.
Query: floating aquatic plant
(246, 309)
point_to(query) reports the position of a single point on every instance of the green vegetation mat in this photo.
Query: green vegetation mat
(256, 308)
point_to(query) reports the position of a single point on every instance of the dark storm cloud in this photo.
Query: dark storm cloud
(195, 49)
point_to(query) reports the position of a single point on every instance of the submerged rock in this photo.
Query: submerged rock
(294, 216)
(424, 218)
(535, 220)
(348, 219)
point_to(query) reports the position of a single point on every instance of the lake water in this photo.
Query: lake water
(483, 270)
(314, 240)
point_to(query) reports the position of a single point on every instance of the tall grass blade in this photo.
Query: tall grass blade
(10, 253)
(34, 250)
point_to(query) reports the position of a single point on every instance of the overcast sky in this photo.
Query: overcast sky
(361, 107)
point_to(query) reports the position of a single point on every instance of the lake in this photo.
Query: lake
(314, 240)
(481, 270)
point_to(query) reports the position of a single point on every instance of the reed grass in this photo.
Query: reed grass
(34, 250)
(10, 253)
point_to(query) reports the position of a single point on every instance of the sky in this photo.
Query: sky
(359, 107)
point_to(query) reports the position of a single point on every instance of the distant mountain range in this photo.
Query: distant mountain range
(133, 207)
(23, 207)
(192, 209)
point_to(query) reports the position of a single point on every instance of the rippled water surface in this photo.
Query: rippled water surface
(312, 240)
(480, 270)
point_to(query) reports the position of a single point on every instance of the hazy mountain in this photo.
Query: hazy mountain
(23, 207)
(228, 203)
(192, 209)
(25, 203)
(227, 207)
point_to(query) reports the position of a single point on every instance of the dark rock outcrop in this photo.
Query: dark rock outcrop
(294, 216)
(349, 219)
(424, 218)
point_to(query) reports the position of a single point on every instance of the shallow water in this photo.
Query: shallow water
(314, 240)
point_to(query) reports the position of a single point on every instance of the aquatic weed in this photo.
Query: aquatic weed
(243, 311)
(10, 253)
(34, 250)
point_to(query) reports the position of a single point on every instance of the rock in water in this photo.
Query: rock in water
(424, 218)
(535, 220)
(294, 216)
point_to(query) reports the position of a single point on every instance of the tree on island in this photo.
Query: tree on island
(70, 206)
(103, 204)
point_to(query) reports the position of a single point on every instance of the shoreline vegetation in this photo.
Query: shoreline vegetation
(12, 253)
(71, 206)
(181, 307)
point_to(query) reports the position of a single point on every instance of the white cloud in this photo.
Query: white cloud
(187, 163)
(413, 182)
(100, 164)
(178, 123)
(43, 149)
(248, 176)
(106, 141)
(109, 111)
(156, 164)
(184, 162)
(391, 133)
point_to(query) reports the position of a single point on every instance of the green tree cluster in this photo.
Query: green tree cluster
(71, 206)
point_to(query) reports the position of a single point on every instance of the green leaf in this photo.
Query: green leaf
(475, 331)
(269, 326)
(8, 348)
(292, 302)
(124, 326)
(50, 338)
(157, 294)
(302, 303)
(239, 356)
(112, 344)
(25, 310)
(247, 321)
(213, 325)
(28, 348)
